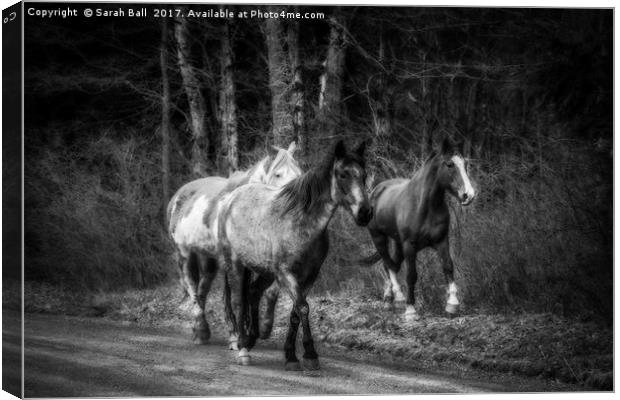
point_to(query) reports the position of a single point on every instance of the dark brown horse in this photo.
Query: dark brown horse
(281, 233)
(412, 214)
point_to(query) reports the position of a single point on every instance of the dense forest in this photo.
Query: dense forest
(120, 112)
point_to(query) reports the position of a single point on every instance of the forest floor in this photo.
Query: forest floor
(534, 345)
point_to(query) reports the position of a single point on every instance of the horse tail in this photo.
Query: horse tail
(370, 260)
(228, 313)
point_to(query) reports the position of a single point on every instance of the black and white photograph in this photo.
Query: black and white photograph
(212, 200)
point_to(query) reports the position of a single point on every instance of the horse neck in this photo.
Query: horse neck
(323, 214)
(432, 195)
(318, 216)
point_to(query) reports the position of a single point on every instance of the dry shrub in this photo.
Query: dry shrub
(93, 214)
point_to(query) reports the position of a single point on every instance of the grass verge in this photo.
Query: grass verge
(542, 345)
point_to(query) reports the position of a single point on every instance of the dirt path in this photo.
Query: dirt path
(69, 356)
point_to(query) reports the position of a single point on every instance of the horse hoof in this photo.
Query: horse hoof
(232, 345)
(201, 336)
(388, 299)
(292, 366)
(452, 308)
(399, 298)
(243, 358)
(411, 316)
(311, 364)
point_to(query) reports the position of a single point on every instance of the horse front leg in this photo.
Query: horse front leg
(311, 358)
(443, 250)
(290, 284)
(411, 252)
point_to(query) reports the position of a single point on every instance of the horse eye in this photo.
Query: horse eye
(342, 175)
(278, 175)
(450, 163)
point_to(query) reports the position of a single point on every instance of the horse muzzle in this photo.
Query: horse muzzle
(364, 215)
(466, 198)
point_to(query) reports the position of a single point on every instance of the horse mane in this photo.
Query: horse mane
(235, 180)
(239, 178)
(305, 194)
(428, 168)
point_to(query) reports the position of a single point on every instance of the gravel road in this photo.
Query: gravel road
(75, 356)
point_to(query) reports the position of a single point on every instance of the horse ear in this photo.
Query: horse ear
(458, 146)
(291, 148)
(446, 146)
(341, 150)
(361, 149)
(267, 163)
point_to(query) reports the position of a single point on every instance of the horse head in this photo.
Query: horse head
(349, 182)
(284, 167)
(452, 173)
(276, 171)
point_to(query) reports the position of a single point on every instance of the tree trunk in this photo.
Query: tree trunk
(279, 83)
(197, 107)
(381, 99)
(427, 132)
(330, 96)
(298, 100)
(165, 117)
(228, 105)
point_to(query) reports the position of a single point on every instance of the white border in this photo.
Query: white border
(457, 3)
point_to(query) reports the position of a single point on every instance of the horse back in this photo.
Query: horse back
(253, 227)
(386, 199)
(181, 203)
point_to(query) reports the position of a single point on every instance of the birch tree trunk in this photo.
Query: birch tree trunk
(197, 107)
(330, 95)
(380, 100)
(165, 117)
(228, 105)
(298, 96)
(279, 83)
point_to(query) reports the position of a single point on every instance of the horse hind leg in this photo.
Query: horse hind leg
(238, 281)
(229, 315)
(271, 299)
(392, 290)
(208, 270)
(190, 276)
(180, 262)
(256, 290)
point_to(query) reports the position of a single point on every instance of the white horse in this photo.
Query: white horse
(191, 218)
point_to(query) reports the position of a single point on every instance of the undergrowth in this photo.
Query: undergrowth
(536, 239)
